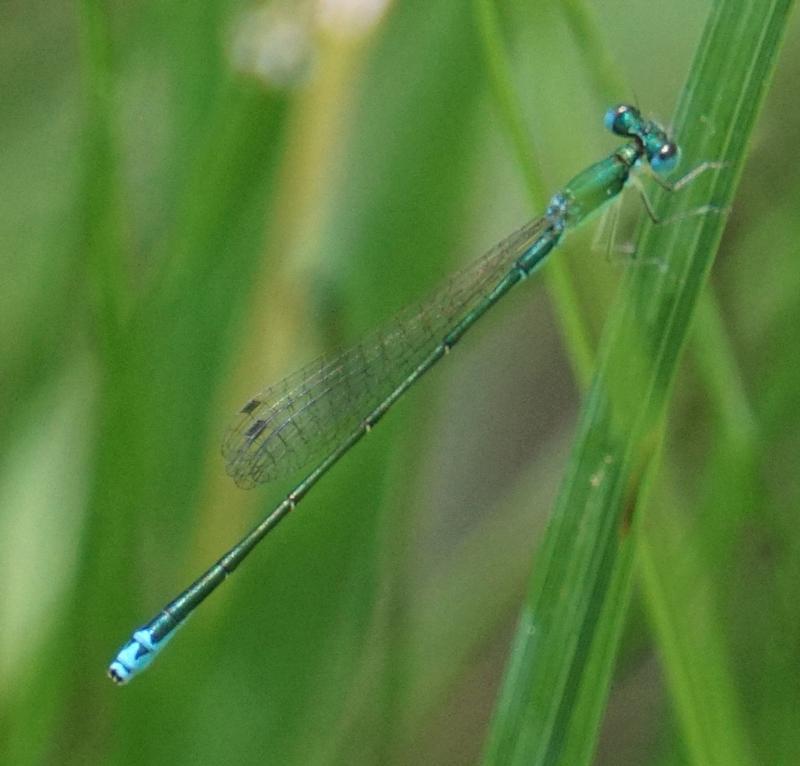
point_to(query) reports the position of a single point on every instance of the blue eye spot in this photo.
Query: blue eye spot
(610, 118)
(665, 159)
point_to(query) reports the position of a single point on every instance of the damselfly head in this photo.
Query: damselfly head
(653, 142)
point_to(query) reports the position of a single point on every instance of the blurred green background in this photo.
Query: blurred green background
(197, 201)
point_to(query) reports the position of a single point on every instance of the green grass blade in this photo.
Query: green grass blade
(585, 561)
(574, 326)
(102, 213)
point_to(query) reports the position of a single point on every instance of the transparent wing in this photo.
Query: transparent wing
(305, 415)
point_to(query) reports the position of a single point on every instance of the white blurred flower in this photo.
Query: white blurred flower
(274, 43)
(350, 18)
(278, 42)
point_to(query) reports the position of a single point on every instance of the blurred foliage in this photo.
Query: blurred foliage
(200, 199)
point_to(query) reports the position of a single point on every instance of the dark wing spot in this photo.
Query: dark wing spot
(255, 430)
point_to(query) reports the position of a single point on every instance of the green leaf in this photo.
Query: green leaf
(558, 673)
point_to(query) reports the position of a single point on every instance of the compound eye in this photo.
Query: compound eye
(666, 158)
(622, 119)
